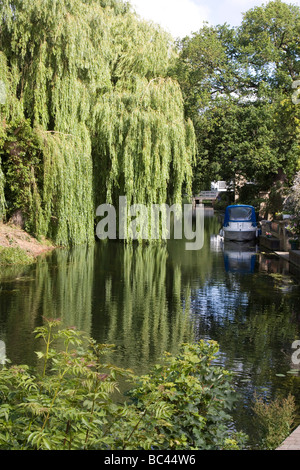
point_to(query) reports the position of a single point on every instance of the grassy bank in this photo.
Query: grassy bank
(12, 256)
(17, 247)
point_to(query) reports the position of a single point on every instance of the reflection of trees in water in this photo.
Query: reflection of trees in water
(253, 318)
(119, 294)
(18, 306)
(58, 286)
(254, 330)
(250, 316)
(68, 287)
(195, 266)
(139, 304)
(149, 299)
(147, 295)
(137, 298)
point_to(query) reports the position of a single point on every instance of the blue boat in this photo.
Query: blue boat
(240, 223)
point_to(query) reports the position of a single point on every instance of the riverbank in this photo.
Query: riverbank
(292, 256)
(17, 244)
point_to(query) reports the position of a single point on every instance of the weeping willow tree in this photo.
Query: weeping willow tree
(9, 111)
(92, 81)
(143, 139)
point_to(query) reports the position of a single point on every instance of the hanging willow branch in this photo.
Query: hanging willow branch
(93, 81)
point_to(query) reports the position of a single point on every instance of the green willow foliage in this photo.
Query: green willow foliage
(92, 79)
(3, 84)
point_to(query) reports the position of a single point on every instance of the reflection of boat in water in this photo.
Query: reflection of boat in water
(239, 257)
(240, 223)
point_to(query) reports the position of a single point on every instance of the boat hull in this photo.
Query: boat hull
(240, 235)
(240, 223)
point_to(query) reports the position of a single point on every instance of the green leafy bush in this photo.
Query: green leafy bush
(275, 420)
(72, 400)
(197, 394)
(14, 256)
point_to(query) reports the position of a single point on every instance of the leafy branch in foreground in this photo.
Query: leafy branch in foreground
(75, 401)
(275, 420)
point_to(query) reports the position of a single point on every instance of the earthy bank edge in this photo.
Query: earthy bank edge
(19, 247)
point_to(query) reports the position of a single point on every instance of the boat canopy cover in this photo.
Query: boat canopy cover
(240, 213)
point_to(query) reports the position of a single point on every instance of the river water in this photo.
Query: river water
(147, 300)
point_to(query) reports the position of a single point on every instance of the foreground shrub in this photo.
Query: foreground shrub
(275, 420)
(72, 400)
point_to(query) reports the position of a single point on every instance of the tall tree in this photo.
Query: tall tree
(91, 81)
(238, 88)
(269, 44)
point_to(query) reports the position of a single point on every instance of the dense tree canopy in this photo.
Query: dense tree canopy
(96, 103)
(90, 114)
(237, 84)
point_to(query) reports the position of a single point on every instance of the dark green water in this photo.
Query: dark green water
(149, 300)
